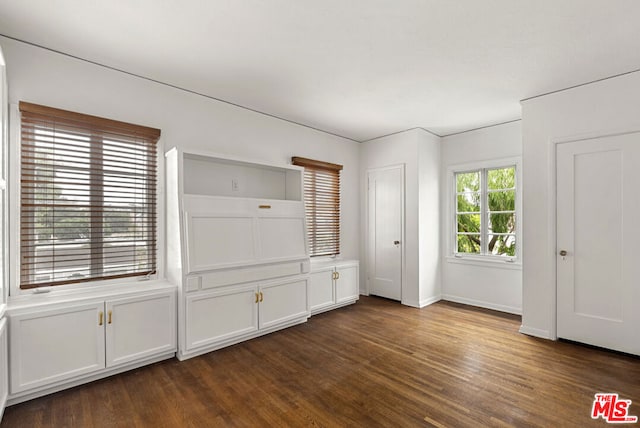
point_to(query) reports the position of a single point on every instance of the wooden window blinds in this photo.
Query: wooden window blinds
(322, 205)
(88, 198)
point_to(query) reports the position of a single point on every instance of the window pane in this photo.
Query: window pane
(469, 244)
(502, 178)
(468, 222)
(468, 181)
(502, 245)
(469, 202)
(502, 223)
(502, 201)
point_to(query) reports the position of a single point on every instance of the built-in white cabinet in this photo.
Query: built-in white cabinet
(333, 284)
(4, 138)
(236, 248)
(53, 344)
(4, 365)
(226, 315)
(140, 327)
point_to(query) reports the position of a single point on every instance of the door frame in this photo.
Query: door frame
(403, 240)
(553, 209)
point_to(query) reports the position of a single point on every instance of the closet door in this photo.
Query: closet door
(597, 235)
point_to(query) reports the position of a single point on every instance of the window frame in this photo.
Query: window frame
(14, 259)
(452, 254)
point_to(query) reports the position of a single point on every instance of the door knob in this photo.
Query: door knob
(396, 242)
(563, 253)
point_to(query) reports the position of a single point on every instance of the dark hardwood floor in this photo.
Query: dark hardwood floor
(375, 363)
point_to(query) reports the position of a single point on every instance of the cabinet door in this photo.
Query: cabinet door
(140, 327)
(4, 366)
(283, 301)
(347, 284)
(321, 289)
(220, 315)
(217, 240)
(281, 231)
(54, 345)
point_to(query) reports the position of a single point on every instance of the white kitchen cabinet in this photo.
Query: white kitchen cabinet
(226, 315)
(236, 248)
(51, 345)
(333, 284)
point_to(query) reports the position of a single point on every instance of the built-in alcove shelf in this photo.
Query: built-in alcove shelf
(216, 176)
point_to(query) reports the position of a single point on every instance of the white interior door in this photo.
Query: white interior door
(386, 231)
(598, 273)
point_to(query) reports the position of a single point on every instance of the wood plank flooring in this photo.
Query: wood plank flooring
(375, 363)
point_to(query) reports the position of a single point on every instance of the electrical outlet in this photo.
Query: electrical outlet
(234, 185)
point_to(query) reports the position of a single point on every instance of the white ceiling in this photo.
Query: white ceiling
(355, 68)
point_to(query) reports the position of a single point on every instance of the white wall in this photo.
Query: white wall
(186, 120)
(490, 285)
(606, 107)
(419, 151)
(429, 234)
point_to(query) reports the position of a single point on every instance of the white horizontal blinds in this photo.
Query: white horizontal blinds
(322, 205)
(88, 198)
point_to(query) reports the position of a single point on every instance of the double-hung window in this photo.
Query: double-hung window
(486, 219)
(322, 205)
(87, 198)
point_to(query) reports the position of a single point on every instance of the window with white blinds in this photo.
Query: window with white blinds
(322, 205)
(88, 198)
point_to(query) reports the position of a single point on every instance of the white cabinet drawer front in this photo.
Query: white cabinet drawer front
(347, 287)
(217, 316)
(248, 274)
(283, 302)
(321, 289)
(268, 208)
(50, 346)
(215, 241)
(140, 327)
(281, 237)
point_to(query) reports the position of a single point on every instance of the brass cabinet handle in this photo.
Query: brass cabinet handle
(109, 321)
(337, 275)
(264, 207)
(100, 316)
(257, 297)
(261, 297)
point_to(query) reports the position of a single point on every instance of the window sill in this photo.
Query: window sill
(485, 261)
(29, 298)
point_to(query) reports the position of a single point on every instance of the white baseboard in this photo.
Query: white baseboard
(430, 301)
(421, 303)
(536, 332)
(482, 304)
